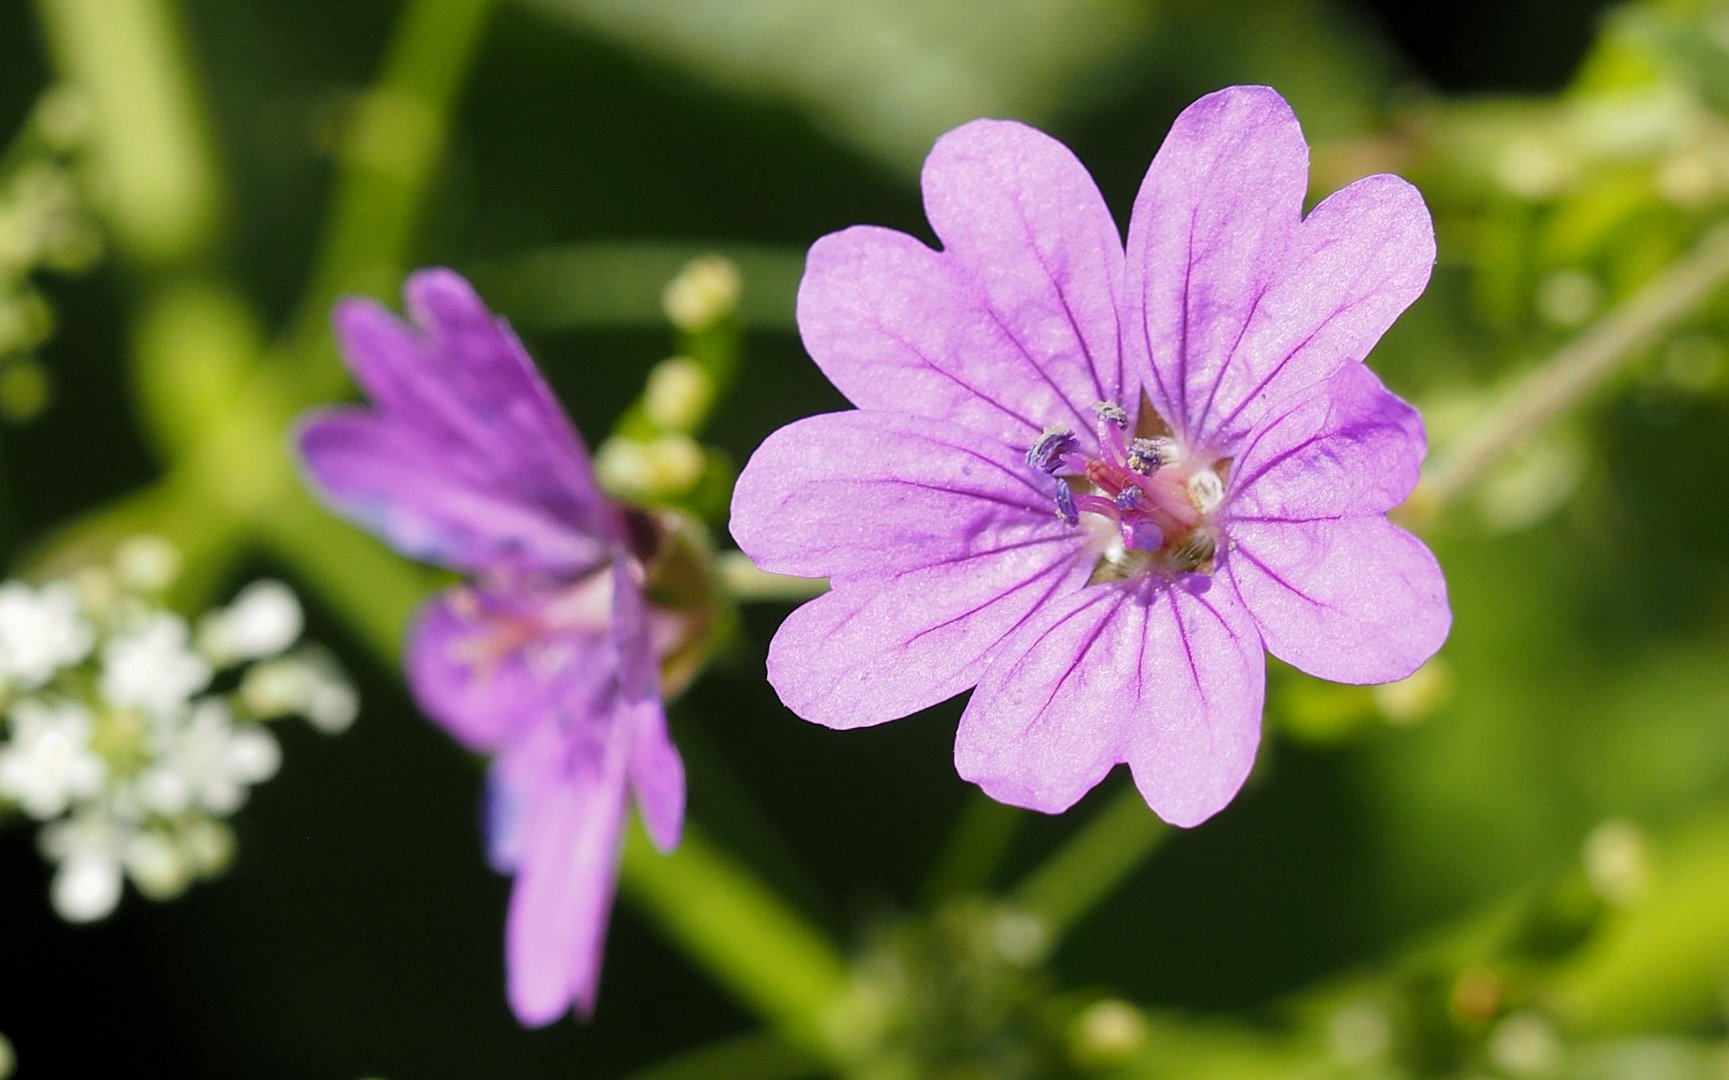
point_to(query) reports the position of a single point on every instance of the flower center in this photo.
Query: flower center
(1152, 505)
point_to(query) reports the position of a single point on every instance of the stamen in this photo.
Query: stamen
(1140, 534)
(1066, 505)
(1128, 498)
(1111, 412)
(1147, 456)
(1047, 454)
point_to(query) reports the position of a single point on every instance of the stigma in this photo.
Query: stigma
(1153, 507)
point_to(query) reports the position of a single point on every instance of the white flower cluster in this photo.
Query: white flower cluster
(132, 735)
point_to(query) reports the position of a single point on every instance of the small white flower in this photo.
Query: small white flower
(264, 620)
(41, 631)
(306, 681)
(156, 865)
(89, 847)
(208, 761)
(48, 762)
(152, 667)
(147, 563)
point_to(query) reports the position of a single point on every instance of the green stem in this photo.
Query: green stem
(975, 849)
(744, 935)
(744, 1057)
(399, 137)
(1093, 862)
(744, 582)
(150, 150)
(1562, 381)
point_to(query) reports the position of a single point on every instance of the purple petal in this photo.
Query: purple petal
(638, 666)
(1016, 209)
(1211, 227)
(464, 383)
(1166, 675)
(870, 652)
(556, 929)
(1200, 722)
(656, 773)
(514, 780)
(868, 495)
(898, 327)
(1346, 447)
(1359, 260)
(1356, 600)
(1055, 711)
(474, 674)
(430, 500)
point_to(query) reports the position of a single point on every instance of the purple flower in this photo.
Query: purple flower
(1096, 487)
(548, 657)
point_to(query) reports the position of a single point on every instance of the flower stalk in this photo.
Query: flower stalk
(1565, 379)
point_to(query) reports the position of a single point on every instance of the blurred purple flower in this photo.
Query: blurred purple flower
(548, 656)
(1096, 488)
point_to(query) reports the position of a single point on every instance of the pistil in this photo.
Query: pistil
(1159, 503)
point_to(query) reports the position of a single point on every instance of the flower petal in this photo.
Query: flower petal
(638, 667)
(656, 773)
(430, 500)
(1215, 215)
(868, 495)
(1360, 258)
(901, 328)
(1200, 723)
(556, 930)
(1355, 600)
(1051, 716)
(1343, 448)
(482, 686)
(462, 380)
(1166, 675)
(1016, 209)
(874, 651)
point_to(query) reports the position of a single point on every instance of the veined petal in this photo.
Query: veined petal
(1016, 209)
(515, 779)
(656, 772)
(556, 930)
(1354, 600)
(869, 495)
(1343, 448)
(1211, 228)
(424, 499)
(874, 651)
(638, 667)
(1055, 711)
(1359, 259)
(461, 379)
(1199, 721)
(482, 682)
(901, 328)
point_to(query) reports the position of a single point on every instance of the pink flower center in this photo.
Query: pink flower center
(1152, 506)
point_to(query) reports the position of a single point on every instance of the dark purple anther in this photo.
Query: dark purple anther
(1111, 413)
(1066, 505)
(1147, 455)
(1046, 455)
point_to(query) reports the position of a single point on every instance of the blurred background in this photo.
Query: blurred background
(1515, 864)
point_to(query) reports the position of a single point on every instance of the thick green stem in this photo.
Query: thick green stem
(744, 935)
(1562, 381)
(974, 850)
(391, 158)
(744, 1057)
(151, 155)
(1093, 862)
